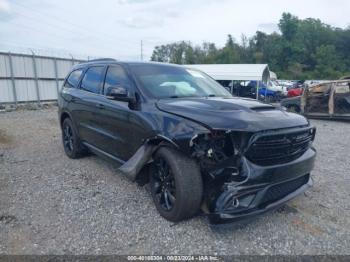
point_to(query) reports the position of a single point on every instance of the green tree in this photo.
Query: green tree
(304, 49)
(328, 63)
(288, 26)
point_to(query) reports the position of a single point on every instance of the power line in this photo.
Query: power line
(61, 28)
(80, 27)
(57, 34)
(88, 30)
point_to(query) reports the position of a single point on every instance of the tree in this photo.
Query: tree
(305, 48)
(288, 26)
(328, 63)
(229, 54)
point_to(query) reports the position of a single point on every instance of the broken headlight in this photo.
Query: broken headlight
(212, 148)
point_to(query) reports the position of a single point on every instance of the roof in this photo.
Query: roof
(110, 61)
(273, 75)
(259, 72)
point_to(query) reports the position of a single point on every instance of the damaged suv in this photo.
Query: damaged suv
(199, 148)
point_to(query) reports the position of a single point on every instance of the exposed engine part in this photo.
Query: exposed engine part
(212, 148)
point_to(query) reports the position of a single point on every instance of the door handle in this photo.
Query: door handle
(100, 106)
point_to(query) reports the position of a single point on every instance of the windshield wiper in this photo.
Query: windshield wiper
(175, 96)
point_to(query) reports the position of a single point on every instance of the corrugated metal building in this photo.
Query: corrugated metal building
(240, 72)
(237, 72)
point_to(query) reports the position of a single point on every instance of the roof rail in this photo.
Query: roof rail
(102, 59)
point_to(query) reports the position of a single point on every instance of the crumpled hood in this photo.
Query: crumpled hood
(231, 113)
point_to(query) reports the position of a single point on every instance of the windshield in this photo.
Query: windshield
(166, 81)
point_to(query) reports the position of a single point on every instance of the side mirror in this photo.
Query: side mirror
(119, 93)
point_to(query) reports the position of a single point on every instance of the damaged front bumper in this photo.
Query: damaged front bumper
(264, 189)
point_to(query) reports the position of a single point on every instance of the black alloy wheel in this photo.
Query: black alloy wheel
(71, 141)
(68, 138)
(164, 185)
(176, 184)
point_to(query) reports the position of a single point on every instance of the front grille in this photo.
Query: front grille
(274, 149)
(279, 191)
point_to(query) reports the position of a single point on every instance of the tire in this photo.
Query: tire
(71, 141)
(184, 173)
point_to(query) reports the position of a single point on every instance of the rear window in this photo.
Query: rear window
(92, 80)
(73, 79)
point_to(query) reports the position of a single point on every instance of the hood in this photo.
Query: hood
(231, 113)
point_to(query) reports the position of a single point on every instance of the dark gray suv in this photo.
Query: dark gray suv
(199, 148)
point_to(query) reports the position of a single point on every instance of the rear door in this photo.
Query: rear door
(88, 104)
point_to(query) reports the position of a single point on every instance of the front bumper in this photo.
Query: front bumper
(265, 188)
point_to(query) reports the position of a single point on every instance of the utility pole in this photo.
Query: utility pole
(141, 51)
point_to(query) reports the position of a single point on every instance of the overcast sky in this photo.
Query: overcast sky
(115, 28)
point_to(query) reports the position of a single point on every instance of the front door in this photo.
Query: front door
(123, 127)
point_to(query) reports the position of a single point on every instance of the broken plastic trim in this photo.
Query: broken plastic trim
(133, 166)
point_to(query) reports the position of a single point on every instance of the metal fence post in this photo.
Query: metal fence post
(72, 59)
(14, 92)
(36, 78)
(56, 75)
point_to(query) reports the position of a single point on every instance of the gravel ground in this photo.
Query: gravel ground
(50, 204)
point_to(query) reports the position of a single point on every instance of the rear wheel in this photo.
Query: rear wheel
(176, 185)
(71, 142)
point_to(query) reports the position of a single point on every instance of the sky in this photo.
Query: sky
(115, 28)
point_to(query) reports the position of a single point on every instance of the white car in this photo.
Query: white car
(273, 86)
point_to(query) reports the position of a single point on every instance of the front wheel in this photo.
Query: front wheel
(176, 185)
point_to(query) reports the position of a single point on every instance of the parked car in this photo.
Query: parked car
(265, 92)
(324, 100)
(292, 92)
(199, 148)
(274, 86)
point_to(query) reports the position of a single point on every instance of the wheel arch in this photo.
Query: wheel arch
(63, 116)
(136, 168)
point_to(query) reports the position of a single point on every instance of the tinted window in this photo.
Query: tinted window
(163, 81)
(73, 78)
(92, 79)
(116, 76)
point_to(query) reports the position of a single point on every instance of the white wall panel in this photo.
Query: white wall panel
(4, 66)
(22, 66)
(6, 92)
(47, 90)
(45, 68)
(63, 67)
(26, 90)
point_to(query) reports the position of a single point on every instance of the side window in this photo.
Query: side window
(116, 76)
(73, 79)
(92, 79)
